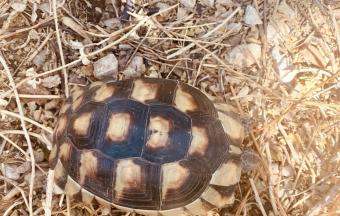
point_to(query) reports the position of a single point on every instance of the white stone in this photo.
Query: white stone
(244, 55)
(252, 17)
(209, 3)
(19, 6)
(188, 4)
(106, 67)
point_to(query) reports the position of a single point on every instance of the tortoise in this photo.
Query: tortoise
(148, 145)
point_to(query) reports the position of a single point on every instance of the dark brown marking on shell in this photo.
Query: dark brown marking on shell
(193, 100)
(95, 202)
(207, 204)
(227, 174)
(216, 150)
(81, 124)
(218, 198)
(72, 188)
(53, 157)
(232, 123)
(196, 176)
(104, 92)
(143, 91)
(72, 163)
(76, 92)
(95, 84)
(65, 149)
(78, 196)
(77, 103)
(136, 184)
(100, 183)
(224, 191)
(65, 108)
(123, 89)
(61, 128)
(60, 175)
(164, 91)
(174, 176)
(199, 207)
(186, 211)
(199, 142)
(133, 144)
(184, 101)
(88, 165)
(91, 137)
(174, 144)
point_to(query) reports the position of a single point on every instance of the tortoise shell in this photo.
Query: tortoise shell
(153, 146)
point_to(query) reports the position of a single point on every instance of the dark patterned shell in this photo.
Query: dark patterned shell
(152, 146)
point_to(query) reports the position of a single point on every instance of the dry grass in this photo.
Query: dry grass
(295, 123)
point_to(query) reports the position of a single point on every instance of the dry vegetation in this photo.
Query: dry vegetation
(277, 61)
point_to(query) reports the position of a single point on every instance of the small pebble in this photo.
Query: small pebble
(40, 58)
(106, 67)
(135, 68)
(51, 81)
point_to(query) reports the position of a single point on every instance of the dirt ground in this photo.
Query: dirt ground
(276, 61)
